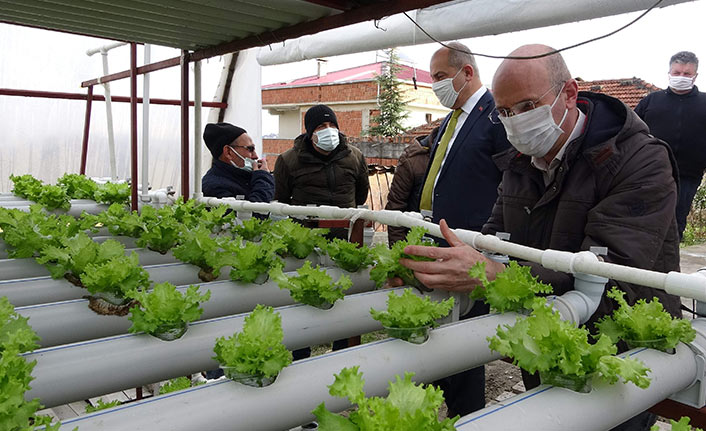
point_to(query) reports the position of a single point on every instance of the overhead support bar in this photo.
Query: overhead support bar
(98, 97)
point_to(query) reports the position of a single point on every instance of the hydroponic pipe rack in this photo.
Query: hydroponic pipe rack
(677, 283)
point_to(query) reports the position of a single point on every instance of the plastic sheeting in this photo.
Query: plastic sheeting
(43, 137)
(448, 21)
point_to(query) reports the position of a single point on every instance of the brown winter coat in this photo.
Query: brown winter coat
(303, 176)
(408, 181)
(615, 188)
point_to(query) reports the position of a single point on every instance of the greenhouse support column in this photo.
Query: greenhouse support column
(185, 124)
(86, 129)
(133, 124)
(145, 195)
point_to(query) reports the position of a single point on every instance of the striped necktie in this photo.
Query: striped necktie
(425, 201)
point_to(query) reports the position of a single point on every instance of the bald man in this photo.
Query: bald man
(583, 171)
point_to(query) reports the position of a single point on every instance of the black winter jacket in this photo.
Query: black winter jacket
(615, 188)
(303, 176)
(224, 181)
(680, 121)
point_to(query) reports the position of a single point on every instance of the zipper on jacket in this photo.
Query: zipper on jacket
(331, 180)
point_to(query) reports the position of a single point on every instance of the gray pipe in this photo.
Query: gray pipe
(107, 365)
(72, 321)
(302, 386)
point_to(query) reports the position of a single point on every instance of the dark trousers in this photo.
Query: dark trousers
(465, 392)
(687, 191)
(640, 422)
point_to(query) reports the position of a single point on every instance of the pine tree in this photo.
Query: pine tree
(390, 99)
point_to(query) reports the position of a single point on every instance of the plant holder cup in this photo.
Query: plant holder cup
(582, 384)
(256, 381)
(322, 305)
(656, 344)
(170, 332)
(111, 298)
(416, 335)
(262, 278)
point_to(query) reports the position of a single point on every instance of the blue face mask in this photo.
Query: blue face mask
(327, 139)
(248, 162)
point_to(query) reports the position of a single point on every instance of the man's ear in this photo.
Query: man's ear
(469, 72)
(571, 88)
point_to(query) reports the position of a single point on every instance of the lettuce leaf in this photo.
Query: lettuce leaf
(258, 349)
(300, 241)
(644, 321)
(513, 289)
(53, 197)
(113, 193)
(681, 425)
(118, 275)
(407, 407)
(177, 384)
(165, 306)
(411, 311)
(252, 229)
(387, 260)
(348, 255)
(250, 260)
(26, 186)
(312, 286)
(545, 343)
(78, 186)
(75, 253)
(197, 247)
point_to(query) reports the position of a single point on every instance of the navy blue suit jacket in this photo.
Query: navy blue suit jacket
(467, 185)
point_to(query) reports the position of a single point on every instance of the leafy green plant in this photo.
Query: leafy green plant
(178, 384)
(681, 425)
(252, 229)
(26, 186)
(348, 255)
(117, 276)
(118, 219)
(216, 218)
(164, 308)
(300, 241)
(312, 286)
(513, 289)
(644, 322)
(543, 342)
(387, 260)
(74, 254)
(53, 197)
(249, 261)
(407, 407)
(17, 337)
(258, 349)
(411, 311)
(112, 193)
(78, 186)
(27, 234)
(161, 231)
(197, 247)
(102, 405)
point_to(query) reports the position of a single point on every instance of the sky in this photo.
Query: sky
(641, 50)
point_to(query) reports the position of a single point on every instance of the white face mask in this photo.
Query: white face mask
(534, 132)
(248, 162)
(445, 91)
(327, 139)
(681, 83)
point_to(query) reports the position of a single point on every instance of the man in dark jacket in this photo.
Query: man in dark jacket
(407, 182)
(235, 170)
(584, 171)
(322, 168)
(676, 115)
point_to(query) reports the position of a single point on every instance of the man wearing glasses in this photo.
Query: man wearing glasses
(236, 170)
(583, 171)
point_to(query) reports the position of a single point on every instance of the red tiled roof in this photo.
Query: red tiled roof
(359, 73)
(424, 129)
(630, 90)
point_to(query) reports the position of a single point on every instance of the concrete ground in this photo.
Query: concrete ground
(693, 258)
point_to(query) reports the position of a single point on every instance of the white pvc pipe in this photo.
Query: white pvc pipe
(72, 321)
(104, 48)
(145, 197)
(152, 360)
(78, 206)
(197, 130)
(548, 407)
(448, 21)
(302, 386)
(109, 118)
(677, 283)
(41, 290)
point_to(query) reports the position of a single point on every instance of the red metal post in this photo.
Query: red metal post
(185, 124)
(86, 129)
(133, 123)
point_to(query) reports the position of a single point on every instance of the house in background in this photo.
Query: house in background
(352, 94)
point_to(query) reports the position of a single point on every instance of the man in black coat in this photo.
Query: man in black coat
(236, 170)
(676, 116)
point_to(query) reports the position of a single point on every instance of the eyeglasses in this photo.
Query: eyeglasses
(519, 108)
(250, 148)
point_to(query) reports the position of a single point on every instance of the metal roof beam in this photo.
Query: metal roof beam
(334, 4)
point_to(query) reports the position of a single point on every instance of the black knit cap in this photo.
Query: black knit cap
(218, 135)
(317, 115)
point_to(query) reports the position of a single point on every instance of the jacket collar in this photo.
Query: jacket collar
(231, 171)
(306, 155)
